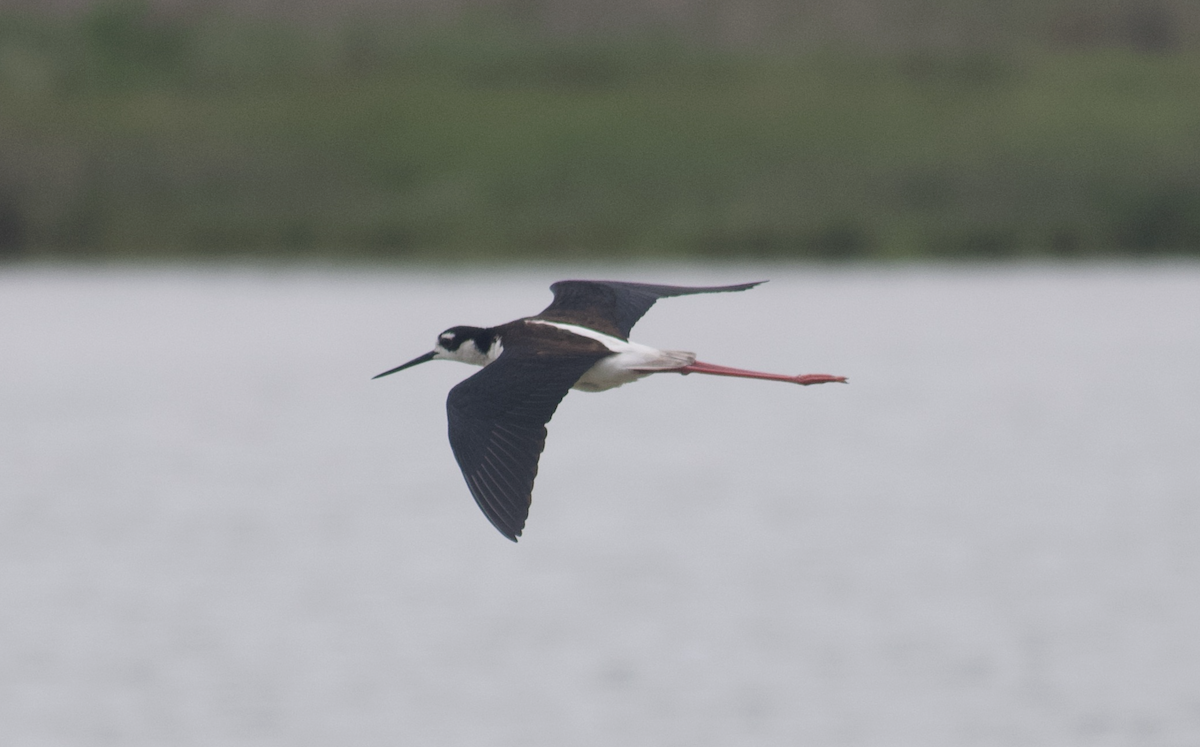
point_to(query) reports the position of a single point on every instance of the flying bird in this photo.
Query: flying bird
(497, 417)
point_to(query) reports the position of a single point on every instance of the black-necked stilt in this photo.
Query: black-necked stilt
(580, 341)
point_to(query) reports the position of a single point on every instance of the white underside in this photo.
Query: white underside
(631, 362)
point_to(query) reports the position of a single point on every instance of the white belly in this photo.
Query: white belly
(631, 361)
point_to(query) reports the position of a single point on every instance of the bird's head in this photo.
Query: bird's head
(474, 345)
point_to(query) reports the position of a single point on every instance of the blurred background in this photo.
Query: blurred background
(219, 219)
(566, 128)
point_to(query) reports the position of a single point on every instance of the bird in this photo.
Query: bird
(497, 417)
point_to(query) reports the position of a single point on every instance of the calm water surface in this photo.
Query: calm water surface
(216, 530)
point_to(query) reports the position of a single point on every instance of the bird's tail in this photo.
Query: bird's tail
(669, 360)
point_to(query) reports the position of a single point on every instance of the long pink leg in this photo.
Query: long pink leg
(714, 370)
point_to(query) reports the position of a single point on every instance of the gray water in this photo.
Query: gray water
(216, 530)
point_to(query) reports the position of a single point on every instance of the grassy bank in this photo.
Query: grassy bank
(123, 135)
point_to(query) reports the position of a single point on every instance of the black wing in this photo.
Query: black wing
(498, 422)
(614, 307)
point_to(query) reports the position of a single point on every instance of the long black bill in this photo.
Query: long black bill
(424, 358)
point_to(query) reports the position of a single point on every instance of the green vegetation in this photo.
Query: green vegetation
(126, 134)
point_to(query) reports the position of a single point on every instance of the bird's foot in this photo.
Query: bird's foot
(807, 379)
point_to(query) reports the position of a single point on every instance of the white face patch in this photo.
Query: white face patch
(469, 352)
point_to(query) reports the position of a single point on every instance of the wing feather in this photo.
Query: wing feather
(497, 422)
(614, 307)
